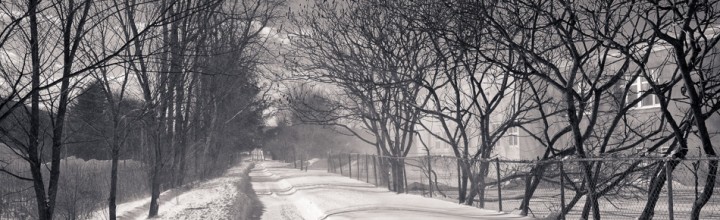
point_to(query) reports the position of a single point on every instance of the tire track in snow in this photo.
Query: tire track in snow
(292, 194)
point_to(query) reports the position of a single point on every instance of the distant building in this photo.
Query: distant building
(519, 144)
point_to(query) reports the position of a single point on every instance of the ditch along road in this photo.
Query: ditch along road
(288, 193)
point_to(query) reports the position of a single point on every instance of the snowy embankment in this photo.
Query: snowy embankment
(212, 199)
(288, 193)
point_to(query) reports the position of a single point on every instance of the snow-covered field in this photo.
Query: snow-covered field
(206, 200)
(288, 193)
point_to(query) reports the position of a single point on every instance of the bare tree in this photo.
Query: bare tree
(58, 30)
(573, 50)
(687, 31)
(372, 61)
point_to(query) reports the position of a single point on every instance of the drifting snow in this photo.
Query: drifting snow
(289, 193)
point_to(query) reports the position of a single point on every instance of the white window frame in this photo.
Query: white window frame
(512, 136)
(638, 85)
(583, 89)
(438, 143)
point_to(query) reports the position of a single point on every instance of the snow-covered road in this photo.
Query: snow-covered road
(288, 193)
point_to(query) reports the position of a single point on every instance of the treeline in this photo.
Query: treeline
(175, 84)
(296, 138)
(579, 79)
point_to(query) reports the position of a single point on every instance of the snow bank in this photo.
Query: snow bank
(206, 200)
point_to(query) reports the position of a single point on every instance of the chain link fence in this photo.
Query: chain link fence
(83, 188)
(552, 189)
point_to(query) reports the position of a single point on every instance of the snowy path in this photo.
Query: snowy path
(288, 193)
(206, 200)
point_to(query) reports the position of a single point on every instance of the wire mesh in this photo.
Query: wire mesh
(553, 189)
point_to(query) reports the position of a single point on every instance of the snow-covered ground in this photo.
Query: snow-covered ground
(206, 200)
(288, 193)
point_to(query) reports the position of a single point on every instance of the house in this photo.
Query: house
(635, 130)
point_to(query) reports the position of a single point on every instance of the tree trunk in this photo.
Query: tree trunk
(112, 206)
(592, 199)
(656, 185)
(463, 177)
(398, 175)
(155, 170)
(478, 185)
(530, 190)
(707, 190)
(34, 156)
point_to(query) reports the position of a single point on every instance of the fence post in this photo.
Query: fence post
(367, 169)
(497, 171)
(350, 166)
(388, 162)
(375, 170)
(339, 156)
(357, 159)
(430, 179)
(331, 168)
(562, 190)
(404, 175)
(328, 162)
(668, 175)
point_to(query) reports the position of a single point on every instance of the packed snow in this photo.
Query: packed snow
(288, 193)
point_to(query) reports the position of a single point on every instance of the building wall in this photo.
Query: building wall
(640, 119)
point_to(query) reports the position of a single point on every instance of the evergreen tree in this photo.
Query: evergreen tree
(88, 123)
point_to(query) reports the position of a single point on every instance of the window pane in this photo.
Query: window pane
(632, 94)
(646, 87)
(655, 100)
(648, 100)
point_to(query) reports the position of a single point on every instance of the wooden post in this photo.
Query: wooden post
(499, 186)
(367, 168)
(350, 165)
(668, 175)
(339, 156)
(375, 170)
(357, 159)
(404, 175)
(387, 161)
(430, 179)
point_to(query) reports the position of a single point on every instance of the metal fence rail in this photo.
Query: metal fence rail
(555, 188)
